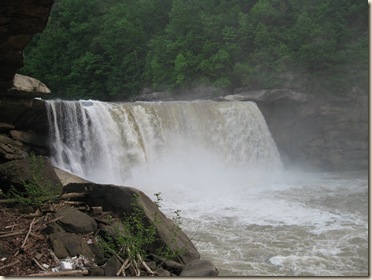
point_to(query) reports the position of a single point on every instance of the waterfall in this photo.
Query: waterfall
(105, 142)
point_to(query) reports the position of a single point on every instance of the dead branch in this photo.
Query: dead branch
(14, 233)
(62, 273)
(54, 220)
(122, 268)
(12, 226)
(148, 269)
(169, 263)
(37, 236)
(8, 200)
(56, 260)
(29, 245)
(74, 202)
(33, 215)
(29, 230)
(12, 200)
(9, 264)
(72, 195)
(38, 264)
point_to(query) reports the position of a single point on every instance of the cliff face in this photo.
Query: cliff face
(20, 114)
(19, 21)
(327, 134)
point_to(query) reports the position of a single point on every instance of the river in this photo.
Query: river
(217, 163)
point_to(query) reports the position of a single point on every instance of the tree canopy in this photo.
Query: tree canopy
(111, 49)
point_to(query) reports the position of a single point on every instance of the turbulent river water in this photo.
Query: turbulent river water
(218, 164)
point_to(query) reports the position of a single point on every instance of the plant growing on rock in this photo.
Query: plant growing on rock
(36, 190)
(131, 240)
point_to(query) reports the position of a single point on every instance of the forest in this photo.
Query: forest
(112, 49)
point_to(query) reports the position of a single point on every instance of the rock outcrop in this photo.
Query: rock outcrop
(328, 134)
(37, 171)
(120, 199)
(19, 21)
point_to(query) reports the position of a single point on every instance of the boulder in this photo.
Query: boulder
(36, 170)
(29, 138)
(120, 199)
(96, 271)
(112, 266)
(67, 178)
(27, 86)
(199, 268)
(161, 272)
(76, 221)
(66, 244)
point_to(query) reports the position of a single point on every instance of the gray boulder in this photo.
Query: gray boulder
(27, 85)
(112, 267)
(66, 244)
(199, 268)
(76, 221)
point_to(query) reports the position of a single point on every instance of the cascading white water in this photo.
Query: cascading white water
(104, 141)
(217, 163)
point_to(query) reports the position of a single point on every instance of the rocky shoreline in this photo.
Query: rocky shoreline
(73, 227)
(81, 228)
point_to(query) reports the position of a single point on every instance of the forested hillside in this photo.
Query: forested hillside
(112, 49)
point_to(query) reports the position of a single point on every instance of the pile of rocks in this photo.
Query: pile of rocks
(17, 144)
(79, 212)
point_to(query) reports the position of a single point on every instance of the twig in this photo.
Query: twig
(37, 236)
(72, 195)
(88, 234)
(148, 269)
(116, 254)
(62, 273)
(28, 233)
(12, 226)
(169, 263)
(33, 215)
(14, 233)
(9, 200)
(74, 202)
(54, 220)
(12, 200)
(29, 245)
(38, 264)
(9, 264)
(122, 268)
(56, 260)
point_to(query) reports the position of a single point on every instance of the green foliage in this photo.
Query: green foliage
(131, 238)
(36, 190)
(110, 50)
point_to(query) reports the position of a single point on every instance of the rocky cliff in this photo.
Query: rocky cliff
(325, 134)
(19, 21)
(20, 112)
(322, 133)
